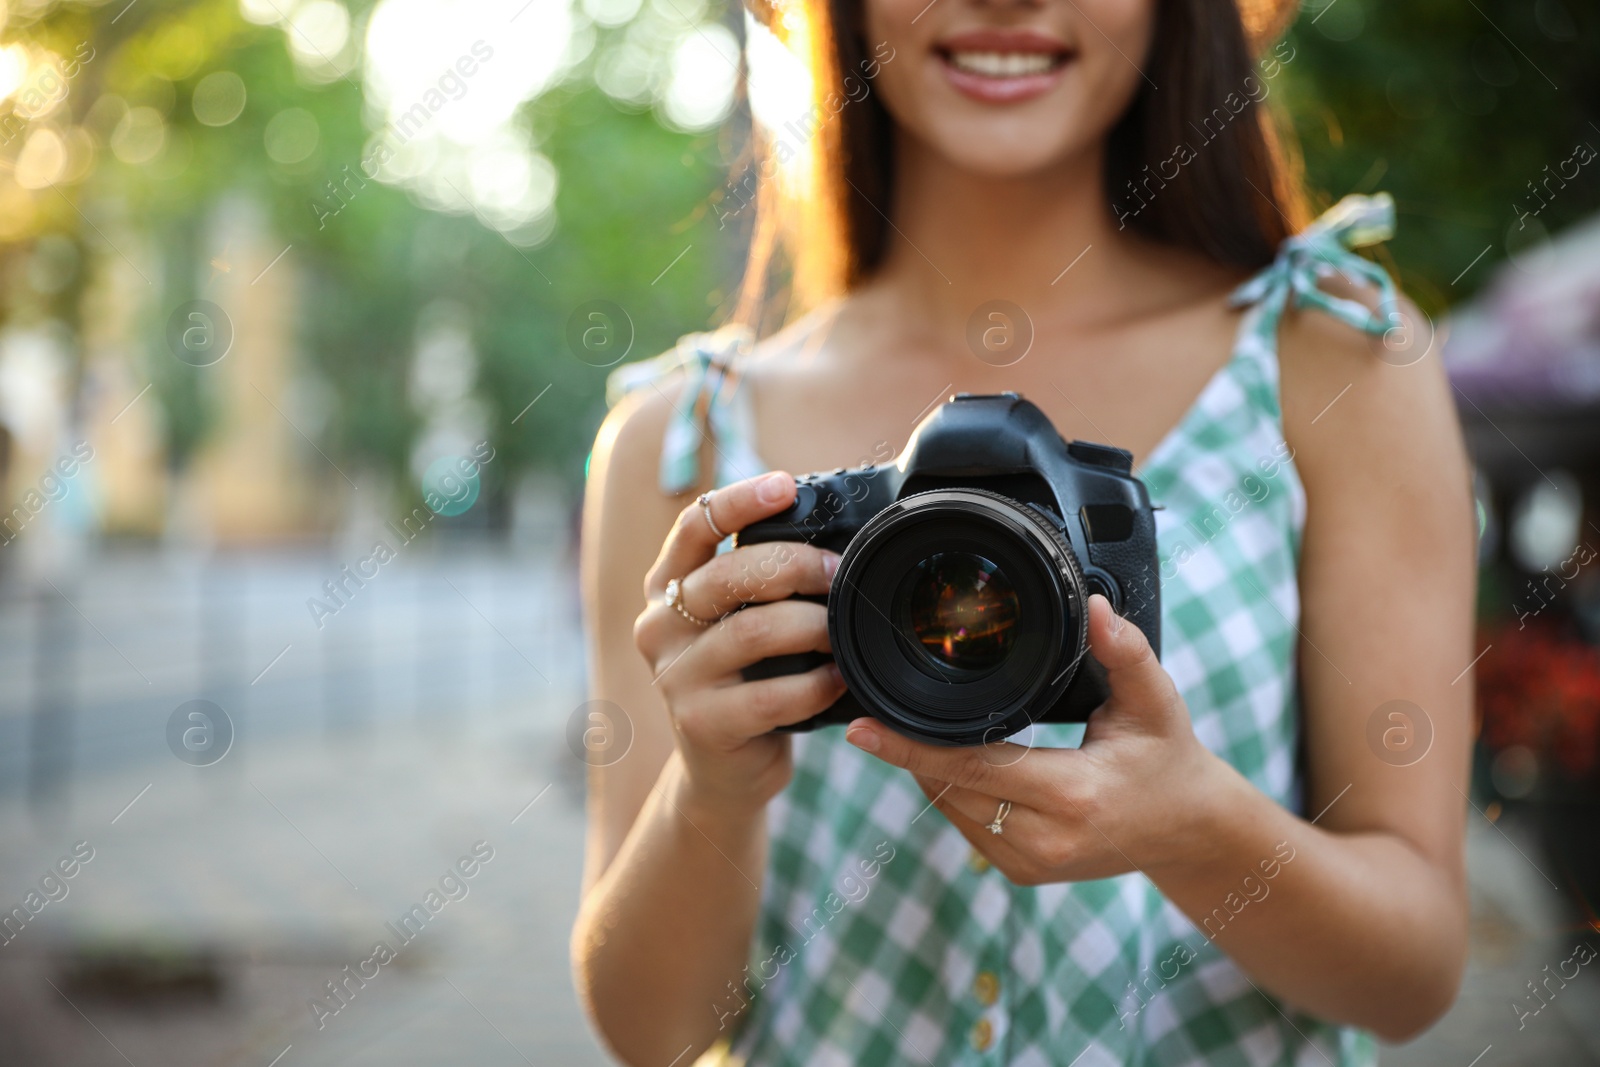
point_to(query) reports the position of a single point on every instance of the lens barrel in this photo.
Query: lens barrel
(958, 616)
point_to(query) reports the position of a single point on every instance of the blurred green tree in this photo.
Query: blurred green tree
(632, 202)
(1463, 111)
(1457, 108)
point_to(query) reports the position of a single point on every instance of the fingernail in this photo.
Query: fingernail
(1116, 622)
(772, 487)
(863, 737)
(830, 564)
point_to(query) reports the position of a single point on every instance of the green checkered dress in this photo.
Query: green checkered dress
(885, 939)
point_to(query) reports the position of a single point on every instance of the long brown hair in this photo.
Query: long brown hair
(1235, 194)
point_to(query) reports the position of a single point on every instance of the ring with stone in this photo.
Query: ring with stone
(675, 602)
(704, 500)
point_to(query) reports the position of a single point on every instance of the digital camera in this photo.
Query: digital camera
(959, 611)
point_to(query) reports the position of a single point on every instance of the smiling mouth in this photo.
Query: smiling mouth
(1002, 65)
(1000, 68)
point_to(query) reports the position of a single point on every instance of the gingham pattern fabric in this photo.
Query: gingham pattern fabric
(884, 938)
(707, 404)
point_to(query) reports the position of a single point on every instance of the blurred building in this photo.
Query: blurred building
(257, 474)
(1525, 363)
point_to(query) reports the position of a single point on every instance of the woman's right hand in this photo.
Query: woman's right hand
(723, 724)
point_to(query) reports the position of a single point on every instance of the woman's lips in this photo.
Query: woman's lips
(1003, 67)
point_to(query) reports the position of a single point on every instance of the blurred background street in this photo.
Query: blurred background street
(221, 898)
(306, 311)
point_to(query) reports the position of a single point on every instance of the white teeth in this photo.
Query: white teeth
(1003, 64)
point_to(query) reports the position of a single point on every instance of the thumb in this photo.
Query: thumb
(1138, 681)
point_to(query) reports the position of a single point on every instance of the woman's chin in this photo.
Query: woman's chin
(1004, 159)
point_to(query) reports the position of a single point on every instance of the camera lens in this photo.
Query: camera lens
(957, 615)
(961, 611)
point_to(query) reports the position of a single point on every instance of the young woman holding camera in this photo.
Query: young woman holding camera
(1255, 855)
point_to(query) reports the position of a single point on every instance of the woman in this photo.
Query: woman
(1255, 856)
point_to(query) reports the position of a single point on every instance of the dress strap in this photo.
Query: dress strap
(1322, 250)
(704, 408)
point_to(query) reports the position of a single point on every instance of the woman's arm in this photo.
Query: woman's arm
(1359, 913)
(677, 841)
(1388, 579)
(1368, 923)
(658, 900)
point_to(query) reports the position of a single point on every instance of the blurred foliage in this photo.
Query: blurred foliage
(1454, 107)
(369, 259)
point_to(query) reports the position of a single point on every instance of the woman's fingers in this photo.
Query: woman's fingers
(1002, 769)
(740, 639)
(960, 807)
(692, 540)
(979, 808)
(733, 714)
(757, 574)
(1138, 681)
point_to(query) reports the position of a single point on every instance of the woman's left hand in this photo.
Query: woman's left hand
(1135, 796)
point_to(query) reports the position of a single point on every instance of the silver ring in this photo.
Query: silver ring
(675, 602)
(704, 501)
(996, 826)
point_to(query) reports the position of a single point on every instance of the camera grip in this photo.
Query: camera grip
(809, 520)
(1134, 563)
(838, 713)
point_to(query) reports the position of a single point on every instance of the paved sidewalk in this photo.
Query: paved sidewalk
(289, 871)
(1517, 930)
(424, 717)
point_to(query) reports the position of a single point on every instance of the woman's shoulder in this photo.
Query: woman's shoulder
(1359, 364)
(636, 453)
(1372, 412)
(1398, 352)
(629, 444)
(649, 433)
(626, 515)
(1311, 340)
(644, 395)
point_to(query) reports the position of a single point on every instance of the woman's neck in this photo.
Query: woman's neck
(1045, 242)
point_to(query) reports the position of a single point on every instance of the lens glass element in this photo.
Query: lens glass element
(960, 610)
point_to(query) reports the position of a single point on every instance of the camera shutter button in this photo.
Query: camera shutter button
(805, 500)
(1099, 583)
(1117, 459)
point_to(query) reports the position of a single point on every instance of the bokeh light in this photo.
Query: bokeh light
(219, 98)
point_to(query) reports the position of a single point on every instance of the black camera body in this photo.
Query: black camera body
(959, 612)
